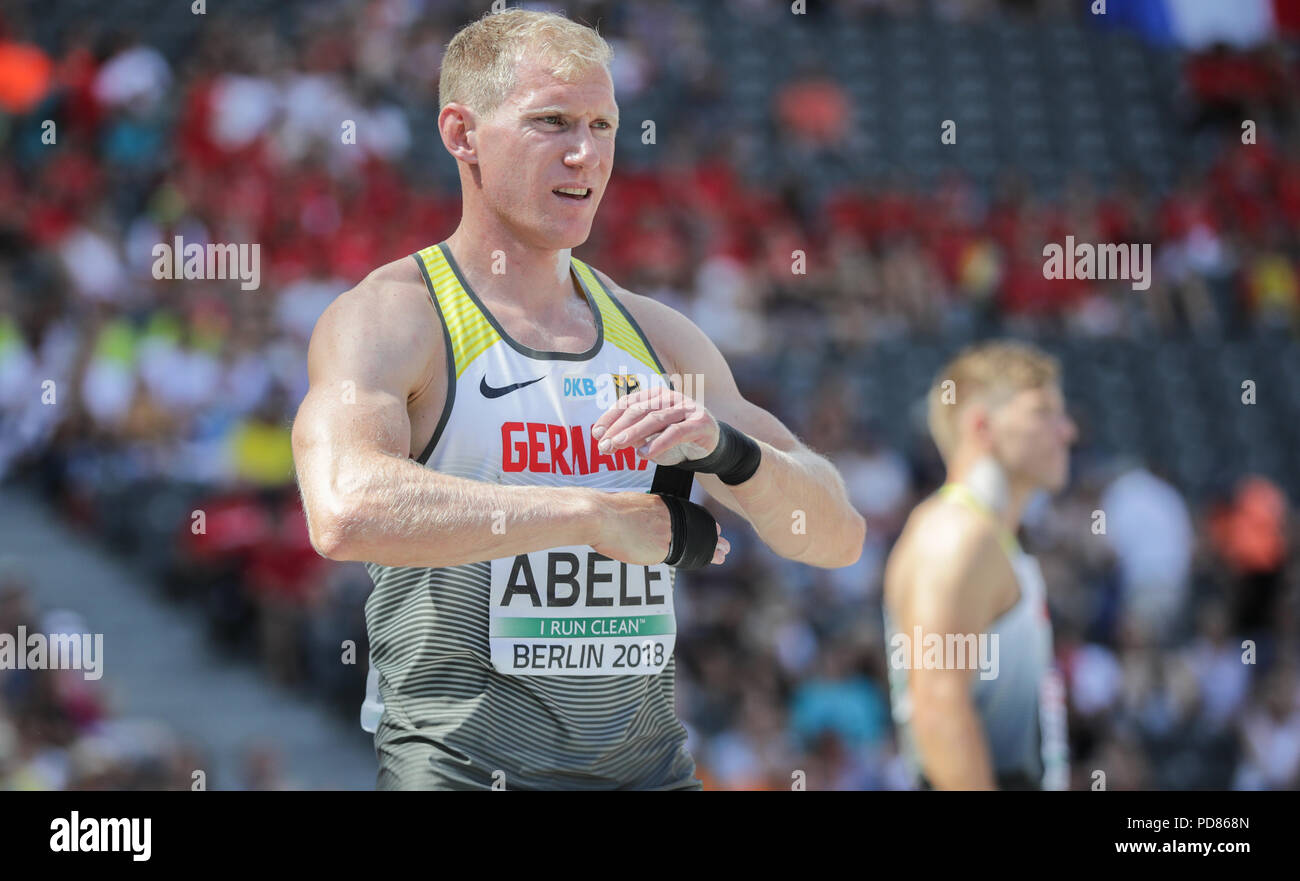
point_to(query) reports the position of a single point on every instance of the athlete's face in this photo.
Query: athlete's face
(547, 136)
(1032, 434)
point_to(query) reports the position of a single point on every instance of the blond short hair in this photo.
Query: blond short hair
(479, 66)
(992, 372)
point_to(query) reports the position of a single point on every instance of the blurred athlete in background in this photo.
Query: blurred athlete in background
(998, 417)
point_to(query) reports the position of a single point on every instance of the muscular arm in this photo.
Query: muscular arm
(796, 500)
(953, 578)
(377, 347)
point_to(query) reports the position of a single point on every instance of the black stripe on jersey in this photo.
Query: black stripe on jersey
(632, 321)
(451, 364)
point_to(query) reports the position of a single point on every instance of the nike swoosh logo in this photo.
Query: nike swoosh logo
(490, 392)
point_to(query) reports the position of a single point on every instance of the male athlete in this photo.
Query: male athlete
(957, 576)
(508, 439)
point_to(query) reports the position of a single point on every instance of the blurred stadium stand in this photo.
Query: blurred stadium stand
(772, 133)
(172, 704)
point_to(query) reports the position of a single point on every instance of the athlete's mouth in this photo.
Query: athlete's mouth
(575, 193)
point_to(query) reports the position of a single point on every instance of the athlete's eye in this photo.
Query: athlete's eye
(553, 119)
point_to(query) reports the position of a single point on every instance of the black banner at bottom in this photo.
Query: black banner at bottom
(229, 830)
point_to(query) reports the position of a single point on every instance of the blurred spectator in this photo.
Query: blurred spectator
(1271, 733)
(1150, 528)
(1250, 535)
(25, 76)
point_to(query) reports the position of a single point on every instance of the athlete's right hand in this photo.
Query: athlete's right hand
(636, 528)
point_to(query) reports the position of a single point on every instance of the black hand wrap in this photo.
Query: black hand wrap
(695, 533)
(734, 459)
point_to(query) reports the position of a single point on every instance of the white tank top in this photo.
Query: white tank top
(563, 643)
(1022, 708)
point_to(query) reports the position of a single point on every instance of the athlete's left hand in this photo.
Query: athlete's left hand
(663, 424)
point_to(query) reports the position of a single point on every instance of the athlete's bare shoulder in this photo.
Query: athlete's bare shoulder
(947, 553)
(403, 271)
(384, 325)
(394, 287)
(938, 524)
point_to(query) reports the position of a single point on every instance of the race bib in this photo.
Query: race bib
(571, 611)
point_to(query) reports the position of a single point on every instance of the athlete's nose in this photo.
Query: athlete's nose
(582, 154)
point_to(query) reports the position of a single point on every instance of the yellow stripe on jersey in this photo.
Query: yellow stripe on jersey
(617, 328)
(470, 332)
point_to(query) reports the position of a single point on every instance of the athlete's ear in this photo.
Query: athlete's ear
(977, 423)
(456, 124)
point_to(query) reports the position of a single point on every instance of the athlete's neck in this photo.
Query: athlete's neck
(989, 482)
(503, 270)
